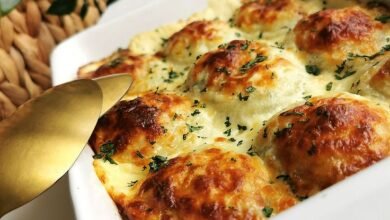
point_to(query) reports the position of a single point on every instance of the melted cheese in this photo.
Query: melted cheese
(321, 143)
(215, 125)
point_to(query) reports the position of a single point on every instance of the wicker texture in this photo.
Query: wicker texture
(27, 37)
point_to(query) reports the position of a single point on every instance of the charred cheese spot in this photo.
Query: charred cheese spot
(197, 38)
(328, 36)
(323, 142)
(139, 126)
(211, 184)
(265, 15)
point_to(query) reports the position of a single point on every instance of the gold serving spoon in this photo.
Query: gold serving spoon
(43, 138)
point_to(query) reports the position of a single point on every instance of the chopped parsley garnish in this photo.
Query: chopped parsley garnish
(228, 132)
(157, 163)
(281, 132)
(347, 73)
(295, 113)
(251, 151)
(313, 70)
(196, 112)
(139, 154)
(231, 22)
(308, 103)
(373, 56)
(265, 132)
(245, 46)
(222, 70)
(283, 177)
(383, 18)
(260, 35)
(232, 140)
(329, 86)
(115, 62)
(132, 183)
(185, 136)
(250, 89)
(343, 71)
(249, 65)
(107, 150)
(164, 41)
(279, 45)
(237, 34)
(340, 67)
(230, 46)
(241, 127)
(242, 97)
(171, 76)
(227, 122)
(267, 211)
(192, 128)
(240, 142)
(196, 103)
(164, 129)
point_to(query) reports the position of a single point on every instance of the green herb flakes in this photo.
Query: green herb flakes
(313, 70)
(139, 154)
(227, 122)
(157, 163)
(241, 127)
(267, 211)
(228, 132)
(250, 89)
(107, 150)
(196, 112)
(329, 86)
(132, 183)
(383, 18)
(249, 65)
(243, 97)
(192, 128)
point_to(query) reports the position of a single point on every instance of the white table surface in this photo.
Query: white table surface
(56, 202)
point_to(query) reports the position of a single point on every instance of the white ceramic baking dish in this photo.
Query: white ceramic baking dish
(365, 195)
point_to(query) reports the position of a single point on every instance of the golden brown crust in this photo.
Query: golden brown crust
(264, 13)
(232, 68)
(211, 184)
(196, 38)
(122, 61)
(191, 33)
(134, 126)
(321, 143)
(326, 29)
(381, 80)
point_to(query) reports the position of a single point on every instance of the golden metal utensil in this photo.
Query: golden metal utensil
(43, 138)
(113, 88)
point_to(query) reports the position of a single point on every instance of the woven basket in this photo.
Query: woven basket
(27, 37)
